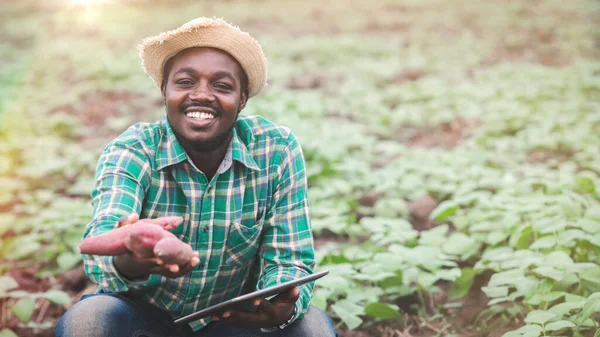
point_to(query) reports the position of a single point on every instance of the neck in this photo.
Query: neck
(207, 161)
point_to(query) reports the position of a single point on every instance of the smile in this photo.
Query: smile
(199, 115)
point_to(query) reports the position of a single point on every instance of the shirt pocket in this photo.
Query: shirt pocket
(242, 243)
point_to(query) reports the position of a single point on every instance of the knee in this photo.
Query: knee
(315, 323)
(95, 316)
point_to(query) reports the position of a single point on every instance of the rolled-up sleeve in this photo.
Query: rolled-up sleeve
(122, 177)
(287, 250)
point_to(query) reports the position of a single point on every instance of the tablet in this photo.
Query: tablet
(246, 298)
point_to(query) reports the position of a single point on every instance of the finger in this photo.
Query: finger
(166, 222)
(166, 271)
(148, 260)
(173, 268)
(122, 221)
(246, 319)
(128, 219)
(290, 296)
(268, 308)
(186, 268)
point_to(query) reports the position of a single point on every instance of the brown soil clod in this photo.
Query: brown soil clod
(74, 280)
(419, 210)
(305, 82)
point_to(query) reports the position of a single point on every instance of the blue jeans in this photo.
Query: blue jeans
(116, 315)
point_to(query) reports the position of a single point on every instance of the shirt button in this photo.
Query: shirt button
(205, 229)
(201, 265)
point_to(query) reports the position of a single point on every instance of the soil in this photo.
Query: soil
(419, 210)
(446, 135)
(98, 107)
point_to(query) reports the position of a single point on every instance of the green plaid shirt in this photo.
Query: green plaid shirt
(251, 221)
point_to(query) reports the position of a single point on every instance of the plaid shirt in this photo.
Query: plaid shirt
(251, 221)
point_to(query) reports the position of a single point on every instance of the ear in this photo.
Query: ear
(163, 88)
(243, 100)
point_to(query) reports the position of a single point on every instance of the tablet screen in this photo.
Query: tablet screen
(217, 309)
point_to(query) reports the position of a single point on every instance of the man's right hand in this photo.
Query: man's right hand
(134, 267)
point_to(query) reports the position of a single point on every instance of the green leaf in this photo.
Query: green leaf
(57, 297)
(497, 237)
(444, 210)
(550, 272)
(24, 308)
(544, 242)
(530, 328)
(68, 260)
(539, 317)
(7, 333)
(597, 334)
(393, 281)
(591, 274)
(563, 309)
(462, 285)
(319, 298)
(381, 310)
(591, 305)
(525, 331)
(369, 294)
(458, 244)
(559, 259)
(589, 225)
(23, 247)
(521, 237)
(495, 291)
(584, 184)
(558, 325)
(348, 312)
(7, 283)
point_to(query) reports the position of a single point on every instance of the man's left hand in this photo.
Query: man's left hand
(269, 314)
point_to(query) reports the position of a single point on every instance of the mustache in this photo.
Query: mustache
(185, 106)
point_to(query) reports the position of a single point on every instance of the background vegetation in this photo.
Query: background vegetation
(453, 150)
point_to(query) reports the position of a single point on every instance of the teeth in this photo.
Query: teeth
(199, 115)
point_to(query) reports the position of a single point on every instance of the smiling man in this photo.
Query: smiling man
(237, 182)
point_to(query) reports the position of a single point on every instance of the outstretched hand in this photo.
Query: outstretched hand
(269, 314)
(134, 266)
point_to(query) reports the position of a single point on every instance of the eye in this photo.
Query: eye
(222, 86)
(185, 82)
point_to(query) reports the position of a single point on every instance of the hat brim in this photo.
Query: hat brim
(206, 32)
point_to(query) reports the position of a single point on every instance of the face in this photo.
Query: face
(203, 94)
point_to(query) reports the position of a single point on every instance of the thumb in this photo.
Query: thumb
(128, 219)
(167, 222)
(290, 296)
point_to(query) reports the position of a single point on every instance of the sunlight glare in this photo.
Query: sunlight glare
(87, 3)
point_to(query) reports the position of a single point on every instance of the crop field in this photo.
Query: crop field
(452, 148)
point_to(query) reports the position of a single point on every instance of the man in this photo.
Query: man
(239, 184)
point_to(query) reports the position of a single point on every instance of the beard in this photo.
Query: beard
(212, 144)
(207, 145)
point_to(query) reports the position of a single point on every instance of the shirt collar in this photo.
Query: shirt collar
(240, 153)
(170, 151)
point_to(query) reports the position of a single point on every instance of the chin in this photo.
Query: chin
(211, 143)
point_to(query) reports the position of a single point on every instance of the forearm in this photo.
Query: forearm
(280, 274)
(130, 269)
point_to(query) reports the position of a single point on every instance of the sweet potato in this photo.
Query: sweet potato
(141, 239)
(173, 251)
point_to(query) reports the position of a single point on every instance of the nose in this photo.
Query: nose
(201, 92)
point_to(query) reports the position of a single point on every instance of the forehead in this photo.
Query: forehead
(204, 59)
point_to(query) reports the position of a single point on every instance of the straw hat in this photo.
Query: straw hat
(206, 32)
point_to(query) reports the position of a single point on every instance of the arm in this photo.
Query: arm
(286, 252)
(122, 177)
(287, 248)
